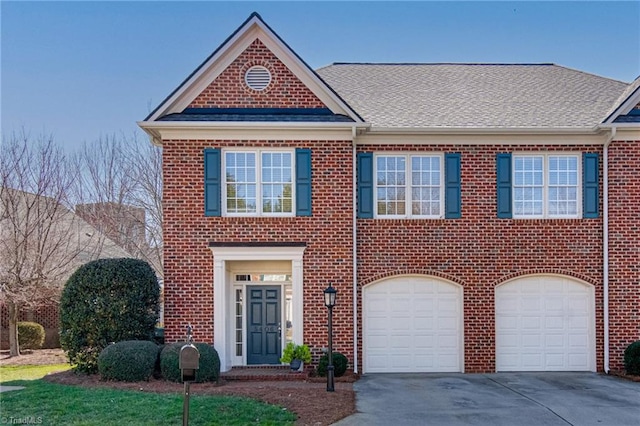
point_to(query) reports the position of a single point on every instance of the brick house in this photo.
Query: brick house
(87, 243)
(472, 217)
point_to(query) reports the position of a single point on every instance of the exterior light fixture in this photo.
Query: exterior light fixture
(330, 302)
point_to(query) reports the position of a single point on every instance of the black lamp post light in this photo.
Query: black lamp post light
(330, 302)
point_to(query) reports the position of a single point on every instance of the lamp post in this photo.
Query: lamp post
(330, 302)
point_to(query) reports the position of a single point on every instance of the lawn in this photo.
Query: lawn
(29, 372)
(49, 403)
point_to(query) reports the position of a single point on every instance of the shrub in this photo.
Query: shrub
(632, 358)
(30, 335)
(293, 351)
(128, 361)
(107, 300)
(340, 363)
(209, 370)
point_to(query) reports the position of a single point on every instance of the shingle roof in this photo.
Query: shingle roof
(473, 95)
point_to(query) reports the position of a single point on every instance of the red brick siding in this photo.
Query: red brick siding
(327, 234)
(624, 248)
(480, 251)
(228, 90)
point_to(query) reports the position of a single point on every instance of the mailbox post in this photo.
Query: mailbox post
(189, 363)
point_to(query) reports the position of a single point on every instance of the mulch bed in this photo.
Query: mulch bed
(309, 400)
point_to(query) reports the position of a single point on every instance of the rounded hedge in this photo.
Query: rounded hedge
(209, 370)
(632, 358)
(128, 361)
(340, 363)
(30, 335)
(107, 300)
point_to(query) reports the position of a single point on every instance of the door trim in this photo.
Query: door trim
(223, 291)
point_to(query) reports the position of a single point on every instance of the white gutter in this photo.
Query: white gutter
(605, 245)
(355, 253)
(483, 130)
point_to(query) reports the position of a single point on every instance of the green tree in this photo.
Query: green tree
(104, 301)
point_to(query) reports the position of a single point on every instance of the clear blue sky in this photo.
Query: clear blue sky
(79, 70)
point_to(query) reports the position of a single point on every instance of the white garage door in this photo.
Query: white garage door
(412, 324)
(545, 323)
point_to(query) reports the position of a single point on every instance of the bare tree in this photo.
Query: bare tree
(41, 240)
(122, 188)
(147, 172)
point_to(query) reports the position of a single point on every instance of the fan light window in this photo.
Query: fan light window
(257, 78)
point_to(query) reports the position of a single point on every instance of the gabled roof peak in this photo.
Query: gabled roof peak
(251, 29)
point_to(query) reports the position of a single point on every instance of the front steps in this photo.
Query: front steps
(265, 373)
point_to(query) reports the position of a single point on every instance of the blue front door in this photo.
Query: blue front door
(263, 325)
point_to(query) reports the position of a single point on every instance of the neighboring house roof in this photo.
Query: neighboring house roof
(82, 237)
(472, 96)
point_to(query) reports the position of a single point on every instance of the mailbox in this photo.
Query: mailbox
(189, 362)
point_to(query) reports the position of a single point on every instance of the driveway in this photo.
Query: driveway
(495, 399)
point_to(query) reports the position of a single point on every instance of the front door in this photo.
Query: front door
(263, 325)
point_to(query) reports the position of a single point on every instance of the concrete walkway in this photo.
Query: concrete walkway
(4, 388)
(502, 399)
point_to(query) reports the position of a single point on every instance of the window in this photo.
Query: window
(258, 183)
(546, 185)
(409, 186)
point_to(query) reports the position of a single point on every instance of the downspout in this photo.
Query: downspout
(354, 243)
(605, 245)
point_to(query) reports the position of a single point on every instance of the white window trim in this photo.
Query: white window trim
(408, 199)
(545, 185)
(258, 152)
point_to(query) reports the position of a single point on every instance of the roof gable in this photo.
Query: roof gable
(253, 43)
(627, 107)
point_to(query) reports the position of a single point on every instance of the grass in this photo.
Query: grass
(49, 403)
(29, 372)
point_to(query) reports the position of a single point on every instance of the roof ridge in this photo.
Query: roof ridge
(447, 63)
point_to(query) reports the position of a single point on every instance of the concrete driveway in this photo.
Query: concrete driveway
(495, 399)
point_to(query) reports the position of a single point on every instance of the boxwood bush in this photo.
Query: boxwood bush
(30, 335)
(632, 359)
(128, 361)
(209, 370)
(107, 300)
(340, 364)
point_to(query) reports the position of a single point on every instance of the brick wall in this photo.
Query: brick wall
(47, 316)
(228, 90)
(624, 248)
(189, 262)
(480, 251)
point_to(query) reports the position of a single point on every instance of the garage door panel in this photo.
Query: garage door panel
(420, 326)
(554, 329)
(554, 322)
(528, 322)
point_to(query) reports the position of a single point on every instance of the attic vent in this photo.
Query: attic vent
(257, 77)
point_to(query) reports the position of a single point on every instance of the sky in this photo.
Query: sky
(80, 71)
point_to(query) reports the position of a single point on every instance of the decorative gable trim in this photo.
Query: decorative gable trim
(253, 28)
(626, 113)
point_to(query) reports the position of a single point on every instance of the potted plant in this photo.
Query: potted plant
(296, 356)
